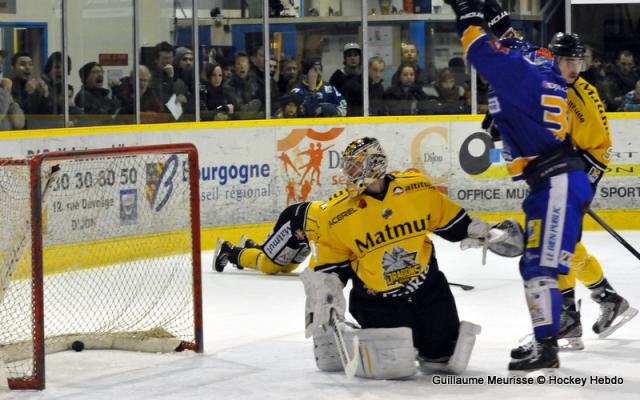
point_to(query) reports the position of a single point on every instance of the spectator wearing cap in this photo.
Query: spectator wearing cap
(183, 80)
(92, 98)
(28, 91)
(320, 99)
(352, 66)
(353, 90)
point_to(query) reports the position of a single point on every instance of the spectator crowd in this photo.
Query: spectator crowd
(233, 88)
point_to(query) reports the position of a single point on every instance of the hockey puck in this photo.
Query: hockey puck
(77, 345)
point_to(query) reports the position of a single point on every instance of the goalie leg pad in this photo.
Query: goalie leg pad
(324, 292)
(459, 360)
(385, 353)
(325, 351)
(464, 346)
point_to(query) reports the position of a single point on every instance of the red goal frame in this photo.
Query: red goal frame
(37, 380)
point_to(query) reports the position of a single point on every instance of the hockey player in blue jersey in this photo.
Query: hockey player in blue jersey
(528, 102)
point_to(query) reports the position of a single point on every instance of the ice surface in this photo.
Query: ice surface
(255, 346)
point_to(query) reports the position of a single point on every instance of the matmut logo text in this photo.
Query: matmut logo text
(373, 239)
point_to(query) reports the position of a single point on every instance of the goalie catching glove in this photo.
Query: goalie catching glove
(505, 238)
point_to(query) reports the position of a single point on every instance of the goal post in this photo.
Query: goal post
(100, 247)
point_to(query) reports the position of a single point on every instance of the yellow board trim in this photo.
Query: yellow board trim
(182, 126)
(93, 254)
(72, 257)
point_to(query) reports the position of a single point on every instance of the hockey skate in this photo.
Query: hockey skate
(221, 254)
(614, 312)
(570, 337)
(542, 356)
(525, 349)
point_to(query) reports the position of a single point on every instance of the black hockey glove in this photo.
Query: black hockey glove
(468, 12)
(497, 18)
(489, 125)
(594, 169)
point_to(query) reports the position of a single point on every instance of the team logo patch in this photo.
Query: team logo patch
(494, 105)
(533, 233)
(594, 174)
(400, 266)
(160, 182)
(299, 233)
(285, 256)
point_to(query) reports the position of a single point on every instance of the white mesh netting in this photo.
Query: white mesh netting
(117, 256)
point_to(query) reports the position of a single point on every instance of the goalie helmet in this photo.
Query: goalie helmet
(566, 45)
(363, 162)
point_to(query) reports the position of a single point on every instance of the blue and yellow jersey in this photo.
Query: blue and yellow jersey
(383, 239)
(527, 99)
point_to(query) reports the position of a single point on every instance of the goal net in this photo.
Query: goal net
(100, 247)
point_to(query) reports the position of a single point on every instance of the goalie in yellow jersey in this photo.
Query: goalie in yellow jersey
(376, 234)
(590, 132)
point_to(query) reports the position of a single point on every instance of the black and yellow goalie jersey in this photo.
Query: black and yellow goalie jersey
(589, 127)
(383, 238)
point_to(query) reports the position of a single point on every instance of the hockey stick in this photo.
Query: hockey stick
(350, 365)
(613, 233)
(461, 286)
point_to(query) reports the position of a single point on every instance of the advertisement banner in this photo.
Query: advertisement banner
(248, 174)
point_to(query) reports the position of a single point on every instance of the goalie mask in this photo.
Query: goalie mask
(363, 162)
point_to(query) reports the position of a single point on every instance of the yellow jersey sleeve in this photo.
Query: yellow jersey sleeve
(588, 123)
(329, 252)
